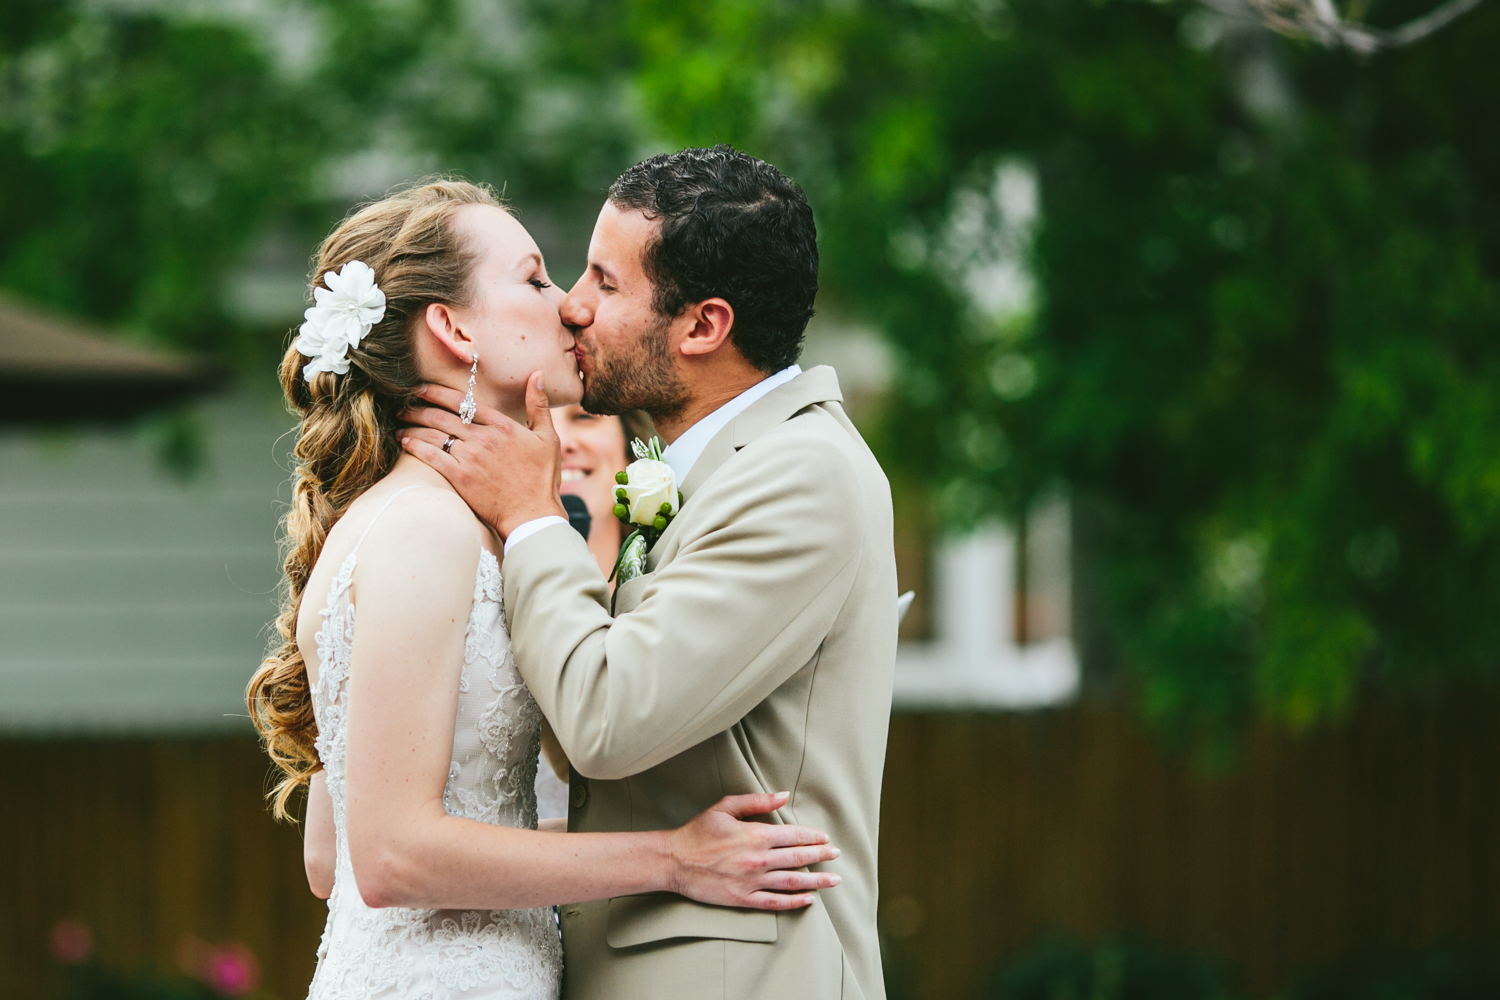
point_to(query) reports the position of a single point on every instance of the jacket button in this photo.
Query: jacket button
(578, 794)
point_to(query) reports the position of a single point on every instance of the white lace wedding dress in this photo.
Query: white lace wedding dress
(414, 954)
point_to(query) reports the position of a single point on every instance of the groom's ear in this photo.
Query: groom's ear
(707, 326)
(445, 328)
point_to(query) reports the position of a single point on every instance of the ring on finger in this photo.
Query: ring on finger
(448, 445)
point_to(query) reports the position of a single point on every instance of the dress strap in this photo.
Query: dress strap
(383, 508)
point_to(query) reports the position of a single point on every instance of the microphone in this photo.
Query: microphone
(578, 513)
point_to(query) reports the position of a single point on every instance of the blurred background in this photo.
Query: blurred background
(1176, 326)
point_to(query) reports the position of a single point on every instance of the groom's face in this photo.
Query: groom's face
(624, 346)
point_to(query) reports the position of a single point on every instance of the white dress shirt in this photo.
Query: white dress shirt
(683, 453)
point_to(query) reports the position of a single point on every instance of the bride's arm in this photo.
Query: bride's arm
(318, 837)
(413, 587)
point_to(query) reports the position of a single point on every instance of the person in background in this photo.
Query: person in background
(594, 448)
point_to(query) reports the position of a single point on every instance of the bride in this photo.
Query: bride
(414, 733)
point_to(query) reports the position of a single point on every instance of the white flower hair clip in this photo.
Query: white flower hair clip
(343, 314)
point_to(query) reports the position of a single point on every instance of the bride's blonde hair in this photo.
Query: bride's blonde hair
(346, 441)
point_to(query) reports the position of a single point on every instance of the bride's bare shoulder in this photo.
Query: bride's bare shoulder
(418, 547)
(416, 519)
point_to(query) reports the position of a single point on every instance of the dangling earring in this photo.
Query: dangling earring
(467, 407)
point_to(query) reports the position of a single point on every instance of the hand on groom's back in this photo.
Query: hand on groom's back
(506, 472)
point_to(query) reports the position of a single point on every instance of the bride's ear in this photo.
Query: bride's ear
(443, 324)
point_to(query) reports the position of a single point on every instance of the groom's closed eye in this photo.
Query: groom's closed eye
(606, 280)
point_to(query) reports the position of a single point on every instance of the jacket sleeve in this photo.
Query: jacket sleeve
(769, 553)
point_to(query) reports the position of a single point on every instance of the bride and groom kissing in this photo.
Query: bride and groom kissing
(723, 712)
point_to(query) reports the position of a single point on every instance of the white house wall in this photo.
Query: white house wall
(974, 662)
(130, 601)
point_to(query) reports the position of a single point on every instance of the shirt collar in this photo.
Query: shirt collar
(683, 453)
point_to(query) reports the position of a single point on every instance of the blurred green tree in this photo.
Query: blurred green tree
(146, 148)
(1260, 348)
(1237, 293)
(137, 157)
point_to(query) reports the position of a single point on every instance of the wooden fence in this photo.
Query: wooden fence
(1379, 837)
(148, 843)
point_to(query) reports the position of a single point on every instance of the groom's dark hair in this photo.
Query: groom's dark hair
(735, 228)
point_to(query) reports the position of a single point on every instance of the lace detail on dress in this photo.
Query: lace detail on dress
(413, 954)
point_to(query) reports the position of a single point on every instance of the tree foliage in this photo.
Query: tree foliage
(147, 149)
(1263, 350)
(1249, 319)
(136, 156)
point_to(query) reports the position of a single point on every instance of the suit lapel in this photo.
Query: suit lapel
(816, 385)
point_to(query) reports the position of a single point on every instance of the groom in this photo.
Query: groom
(756, 651)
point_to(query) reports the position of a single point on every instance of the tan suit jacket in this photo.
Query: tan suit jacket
(755, 655)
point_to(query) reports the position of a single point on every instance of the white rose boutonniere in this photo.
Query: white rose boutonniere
(646, 498)
(650, 493)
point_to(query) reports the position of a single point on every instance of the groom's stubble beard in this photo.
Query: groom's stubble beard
(640, 379)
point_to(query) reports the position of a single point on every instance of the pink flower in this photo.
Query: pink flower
(72, 941)
(231, 970)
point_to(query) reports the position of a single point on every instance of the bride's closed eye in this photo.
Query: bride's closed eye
(539, 283)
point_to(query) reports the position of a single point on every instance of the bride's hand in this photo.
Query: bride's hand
(725, 861)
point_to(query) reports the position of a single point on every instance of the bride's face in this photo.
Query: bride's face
(512, 315)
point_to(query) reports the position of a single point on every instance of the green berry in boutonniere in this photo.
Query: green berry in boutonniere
(646, 499)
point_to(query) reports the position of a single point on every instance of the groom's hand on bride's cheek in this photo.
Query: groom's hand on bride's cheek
(506, 471)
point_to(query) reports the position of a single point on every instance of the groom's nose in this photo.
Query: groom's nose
(575, 311)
